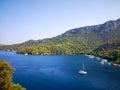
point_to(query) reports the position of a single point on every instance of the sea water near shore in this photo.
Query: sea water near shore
(60, 72)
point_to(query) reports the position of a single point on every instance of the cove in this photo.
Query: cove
(60, 72)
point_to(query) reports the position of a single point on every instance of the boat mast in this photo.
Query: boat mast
(84, 67)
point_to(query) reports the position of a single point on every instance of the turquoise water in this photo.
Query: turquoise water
(60, 72)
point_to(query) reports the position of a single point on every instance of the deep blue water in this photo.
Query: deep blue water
(60, 72)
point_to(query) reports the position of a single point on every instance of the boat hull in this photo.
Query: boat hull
(82, 72)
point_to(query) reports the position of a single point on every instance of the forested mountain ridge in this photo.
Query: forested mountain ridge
(106, 31)
(99, 29)
(86, 39)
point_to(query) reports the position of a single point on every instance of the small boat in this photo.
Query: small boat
(26, 53)
(103, 61)
(83, 71)
(97, 58)
(91, 56)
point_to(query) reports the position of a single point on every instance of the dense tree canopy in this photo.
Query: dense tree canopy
(6, 77)
(111, 51)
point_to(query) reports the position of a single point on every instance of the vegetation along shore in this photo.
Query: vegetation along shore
(101, 40)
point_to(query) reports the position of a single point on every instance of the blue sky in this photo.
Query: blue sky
(21, 20)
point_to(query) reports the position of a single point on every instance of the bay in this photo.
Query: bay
(60, 72)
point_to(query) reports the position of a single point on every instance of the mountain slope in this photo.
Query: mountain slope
(92, 34)
(106, 31)
(78, 40)
(1, 44)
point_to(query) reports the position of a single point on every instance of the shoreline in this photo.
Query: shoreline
(91, 56)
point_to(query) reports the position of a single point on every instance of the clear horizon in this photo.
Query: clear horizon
(22, 20)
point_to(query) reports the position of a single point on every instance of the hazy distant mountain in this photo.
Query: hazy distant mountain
(1, 44)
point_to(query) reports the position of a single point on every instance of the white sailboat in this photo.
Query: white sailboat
(26, 53)
(82, 71)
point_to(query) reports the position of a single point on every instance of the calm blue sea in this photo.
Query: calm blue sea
(60, 72)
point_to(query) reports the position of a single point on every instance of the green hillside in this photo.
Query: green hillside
(86, 40)
(110, 50)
